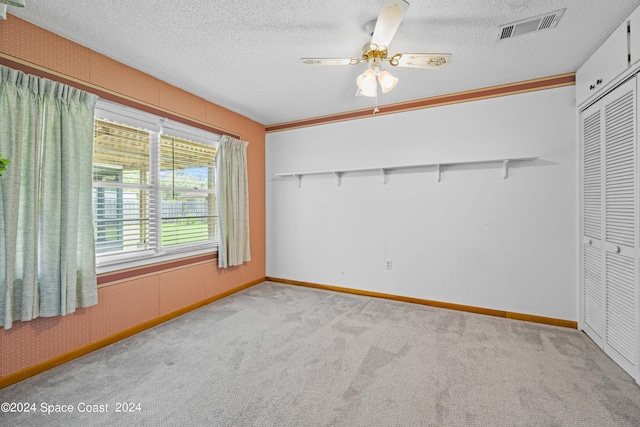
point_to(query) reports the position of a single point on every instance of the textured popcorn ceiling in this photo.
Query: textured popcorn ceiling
(244, 54)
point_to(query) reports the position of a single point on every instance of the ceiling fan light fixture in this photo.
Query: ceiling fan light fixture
(375, 52)
(369, 92)
(387, 81)
(367, 81)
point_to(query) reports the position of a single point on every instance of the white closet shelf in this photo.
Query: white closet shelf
(384, 169)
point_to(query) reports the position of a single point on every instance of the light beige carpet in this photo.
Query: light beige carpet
(278, 355)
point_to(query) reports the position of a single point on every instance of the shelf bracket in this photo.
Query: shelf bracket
(438, 173)
(299, 179)
(384, 176)
(338, 177)
(505, 169)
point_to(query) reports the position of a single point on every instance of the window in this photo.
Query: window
(188, 202)
(153, 186)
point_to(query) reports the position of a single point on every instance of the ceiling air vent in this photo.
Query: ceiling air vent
(530, 25)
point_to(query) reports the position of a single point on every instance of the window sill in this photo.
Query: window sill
(115, 273)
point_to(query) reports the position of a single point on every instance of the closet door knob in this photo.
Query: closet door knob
(590, 242)
(617, 249)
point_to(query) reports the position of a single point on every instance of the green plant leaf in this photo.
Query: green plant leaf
(3, 164)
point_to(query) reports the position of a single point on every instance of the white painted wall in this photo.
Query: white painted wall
(472, 239)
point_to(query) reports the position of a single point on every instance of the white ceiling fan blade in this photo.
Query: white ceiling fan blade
(389, 19)
(421, 60)
(330, 61)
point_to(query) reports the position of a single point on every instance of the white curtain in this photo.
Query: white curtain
(46, 223)
(232, 195)
(3, 6)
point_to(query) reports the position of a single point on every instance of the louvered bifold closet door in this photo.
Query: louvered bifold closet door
(593, 288)
(620, 244)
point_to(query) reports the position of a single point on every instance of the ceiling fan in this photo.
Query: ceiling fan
(375, 52)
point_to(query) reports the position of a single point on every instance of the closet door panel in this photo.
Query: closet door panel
(621, 226)
(592, 174)
(592, 292)
(621, 308)
(593, 298)
(620, 168)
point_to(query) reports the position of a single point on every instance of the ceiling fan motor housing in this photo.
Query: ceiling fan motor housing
(370, 51)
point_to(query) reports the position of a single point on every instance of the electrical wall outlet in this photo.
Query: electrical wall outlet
(387, 264)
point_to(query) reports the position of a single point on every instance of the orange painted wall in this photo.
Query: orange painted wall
(132, 302)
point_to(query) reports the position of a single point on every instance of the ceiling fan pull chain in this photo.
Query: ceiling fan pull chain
(375, 101)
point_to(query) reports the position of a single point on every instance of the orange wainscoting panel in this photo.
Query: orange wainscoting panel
(39, 46)
(29, 343)
(125, 305)
(182, 287)
(222, 280)
(174, 99)
(107, 73)
(220, 116)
